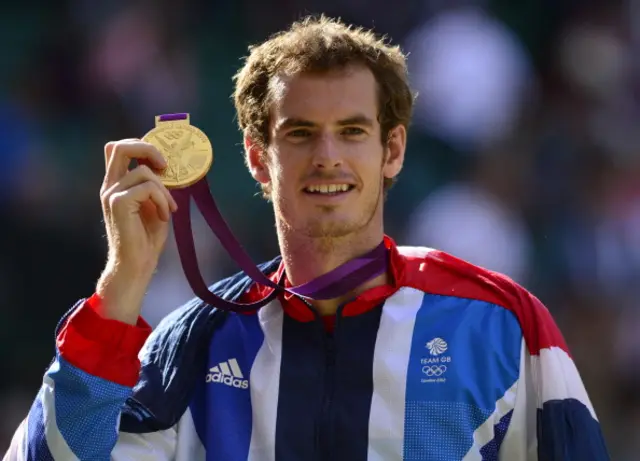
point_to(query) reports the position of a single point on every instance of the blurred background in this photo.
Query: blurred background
(524, 157)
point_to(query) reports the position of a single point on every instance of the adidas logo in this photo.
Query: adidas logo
(228, 373)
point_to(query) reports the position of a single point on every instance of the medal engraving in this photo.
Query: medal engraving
(186, 149)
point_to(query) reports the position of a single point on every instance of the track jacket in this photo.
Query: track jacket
(447, 362)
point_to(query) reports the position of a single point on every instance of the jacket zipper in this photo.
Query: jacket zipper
(323, 439)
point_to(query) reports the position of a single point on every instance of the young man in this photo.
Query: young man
(435, 359)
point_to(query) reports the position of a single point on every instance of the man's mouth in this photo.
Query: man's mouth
(328, 189)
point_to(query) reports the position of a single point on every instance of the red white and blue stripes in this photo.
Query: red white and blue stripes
(449, 362)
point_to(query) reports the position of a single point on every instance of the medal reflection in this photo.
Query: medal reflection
(186, 149)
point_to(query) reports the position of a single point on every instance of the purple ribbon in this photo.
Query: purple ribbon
(171, 117)
(333, 284)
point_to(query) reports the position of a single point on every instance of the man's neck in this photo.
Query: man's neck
(306, 259)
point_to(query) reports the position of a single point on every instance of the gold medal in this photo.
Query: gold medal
(186, 149)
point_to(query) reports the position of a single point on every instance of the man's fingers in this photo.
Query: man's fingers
(134, 198)
(140, 175)
(120, 154)
(108, 150)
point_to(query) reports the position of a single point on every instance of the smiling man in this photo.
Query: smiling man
(324, 160)
(435, 359)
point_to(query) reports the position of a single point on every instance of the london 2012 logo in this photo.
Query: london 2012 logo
(434, 367)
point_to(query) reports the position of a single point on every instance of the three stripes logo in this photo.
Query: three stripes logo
(228, 373)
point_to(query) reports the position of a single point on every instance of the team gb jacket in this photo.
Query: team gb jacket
(447, 362)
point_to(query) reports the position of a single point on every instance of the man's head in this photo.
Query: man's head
(322, 106)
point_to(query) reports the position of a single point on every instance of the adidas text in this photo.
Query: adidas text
(228, 380)
(229, 373)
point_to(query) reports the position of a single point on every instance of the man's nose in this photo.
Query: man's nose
(327, 153)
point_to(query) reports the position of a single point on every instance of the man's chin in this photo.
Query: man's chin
(330, 229)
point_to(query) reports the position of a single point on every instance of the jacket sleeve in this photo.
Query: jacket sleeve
(76, 413)
(567, 427)
(553, 418)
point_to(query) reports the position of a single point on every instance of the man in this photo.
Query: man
(435, 359)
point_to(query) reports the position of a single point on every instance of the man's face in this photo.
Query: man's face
(325, 163)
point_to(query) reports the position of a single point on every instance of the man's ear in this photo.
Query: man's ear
(255, 157)
(396, 146)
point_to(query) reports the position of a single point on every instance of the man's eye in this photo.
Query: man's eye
(300, 133)
(353, 131)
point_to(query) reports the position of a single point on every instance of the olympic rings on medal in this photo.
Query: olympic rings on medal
(434, 370)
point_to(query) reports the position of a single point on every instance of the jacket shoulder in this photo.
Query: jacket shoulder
(437, 272)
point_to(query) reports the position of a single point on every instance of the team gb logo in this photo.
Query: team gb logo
(437, 346)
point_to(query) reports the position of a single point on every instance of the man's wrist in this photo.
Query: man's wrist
(121, 295)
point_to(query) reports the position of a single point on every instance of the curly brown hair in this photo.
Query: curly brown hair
(317, 45)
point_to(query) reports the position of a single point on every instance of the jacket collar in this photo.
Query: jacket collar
(298, 309)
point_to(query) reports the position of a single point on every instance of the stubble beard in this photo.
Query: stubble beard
(322, 229)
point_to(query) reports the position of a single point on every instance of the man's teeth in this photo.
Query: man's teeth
(328, 188)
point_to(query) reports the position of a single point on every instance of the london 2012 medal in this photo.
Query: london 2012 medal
(186, 149)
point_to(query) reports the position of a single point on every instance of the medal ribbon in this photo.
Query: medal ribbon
(333, 284)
